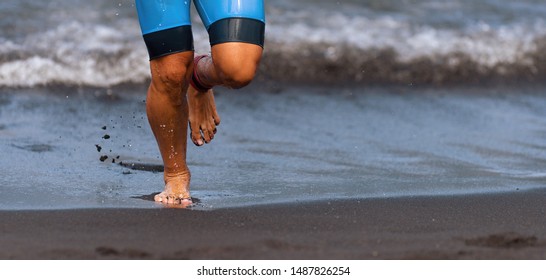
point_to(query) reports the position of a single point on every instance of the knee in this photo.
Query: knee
(237, 74)
(169, 78)
(170, 82)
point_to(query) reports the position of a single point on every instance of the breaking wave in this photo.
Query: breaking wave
(336, 48)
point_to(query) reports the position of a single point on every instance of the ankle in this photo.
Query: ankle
(180, 174)
(196, 80)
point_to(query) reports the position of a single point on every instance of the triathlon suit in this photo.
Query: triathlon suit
(166, 24)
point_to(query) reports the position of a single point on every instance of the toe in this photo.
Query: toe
(207, 133)
(216, 118)
(184, 197)
(215, 115)
(186, 202)
(213, 129)
(159, 197)
(196, 137)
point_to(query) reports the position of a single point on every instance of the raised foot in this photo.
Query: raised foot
(203, 116)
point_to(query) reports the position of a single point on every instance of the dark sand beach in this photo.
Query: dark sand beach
(373, 130)
(491, 226)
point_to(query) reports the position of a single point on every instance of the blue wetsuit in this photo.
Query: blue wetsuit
(166, 24)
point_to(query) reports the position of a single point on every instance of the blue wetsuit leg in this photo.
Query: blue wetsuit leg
(165, 25)
(233, 20)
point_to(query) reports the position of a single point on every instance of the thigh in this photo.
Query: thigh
(233, 20)
(165, 25)
(159, 15)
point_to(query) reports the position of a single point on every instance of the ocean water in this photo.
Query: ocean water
(98, 43)
(354, 99)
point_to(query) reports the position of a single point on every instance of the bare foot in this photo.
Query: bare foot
(177, 191)
(203, 116)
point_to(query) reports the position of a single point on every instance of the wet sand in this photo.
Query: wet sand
(91, 148)
(489, 226)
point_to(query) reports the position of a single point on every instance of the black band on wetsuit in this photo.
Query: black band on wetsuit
(172, 40)
(244, 30)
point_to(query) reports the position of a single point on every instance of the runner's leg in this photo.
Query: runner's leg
(236, 30)
(167, 33)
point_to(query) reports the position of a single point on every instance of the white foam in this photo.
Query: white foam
(485, 44)
(92, 54)
(80, 54)
(77, 54)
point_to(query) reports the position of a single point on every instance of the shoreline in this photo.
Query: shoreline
(355, 143)
(479, 226)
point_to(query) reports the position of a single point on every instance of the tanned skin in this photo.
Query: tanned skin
(172, 102)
